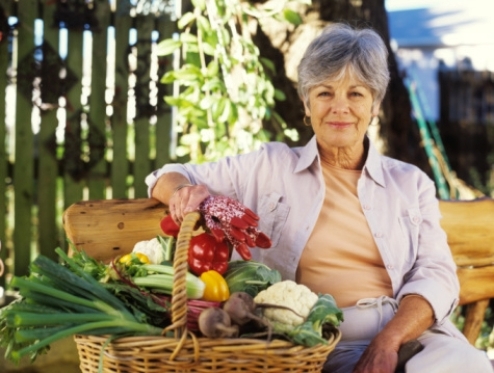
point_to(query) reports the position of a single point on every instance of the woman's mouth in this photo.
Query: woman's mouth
(339, 125)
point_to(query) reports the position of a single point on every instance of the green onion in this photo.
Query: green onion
(59, 301)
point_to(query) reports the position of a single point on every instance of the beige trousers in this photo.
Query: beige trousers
(446, 350)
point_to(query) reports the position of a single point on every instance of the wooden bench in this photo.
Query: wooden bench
(106, 228)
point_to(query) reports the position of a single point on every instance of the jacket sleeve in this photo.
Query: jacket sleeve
(433, 274)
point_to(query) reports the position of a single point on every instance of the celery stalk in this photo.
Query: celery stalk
(164, 282)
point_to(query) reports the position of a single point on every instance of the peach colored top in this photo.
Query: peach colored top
(341, 257)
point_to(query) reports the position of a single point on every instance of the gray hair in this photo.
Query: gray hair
(338, 47)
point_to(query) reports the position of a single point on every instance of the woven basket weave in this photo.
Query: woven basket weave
(184, 352)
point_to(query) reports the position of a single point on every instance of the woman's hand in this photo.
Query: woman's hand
(413, 317)
(379, 357)
(176, 191)
(185, 199)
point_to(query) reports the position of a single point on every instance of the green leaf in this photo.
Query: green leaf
(214, 84)
(191, 48)
(206, 103)
(268, 64)
(203, 24)
(211, 39)
(219, 110)
(213, 68)
(168, 46)
(193, 58)
(325, 311)
(189, 73)
(302, 334)
(208, 49)
(279, 95)
(201, 4)
(233, 115)
(187, 38)
(293, 17)
(172, 101)
(168, 78)
(185, 20)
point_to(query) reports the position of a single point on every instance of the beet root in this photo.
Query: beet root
(216, 323)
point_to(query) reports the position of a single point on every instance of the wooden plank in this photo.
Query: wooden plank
(142, 165)
(48, 231)
(476, 283)
(97, 104)
(24, 155)
(119, 162)
(73, 168)
(122, 223)
(469, 225)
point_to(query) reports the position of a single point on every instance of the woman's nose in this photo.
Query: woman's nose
(340, 104)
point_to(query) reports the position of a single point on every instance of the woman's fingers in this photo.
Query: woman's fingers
(186, 200)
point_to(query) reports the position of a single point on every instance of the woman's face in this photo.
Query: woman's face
(340, 113)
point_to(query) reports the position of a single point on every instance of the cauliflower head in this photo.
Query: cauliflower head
(152, 249)
(290, 294)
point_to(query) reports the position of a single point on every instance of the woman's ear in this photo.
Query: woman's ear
(375, 109)
(306, 107)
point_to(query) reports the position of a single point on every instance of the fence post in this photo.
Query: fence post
(97, 104)
(48, 232)
(24, 155)
(3, 134)
(120, 164)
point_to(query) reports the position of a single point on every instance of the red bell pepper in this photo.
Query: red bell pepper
(169, 227)
(205, 253)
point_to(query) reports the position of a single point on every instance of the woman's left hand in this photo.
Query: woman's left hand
(379, 357)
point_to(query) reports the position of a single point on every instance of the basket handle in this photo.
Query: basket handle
(180, 268)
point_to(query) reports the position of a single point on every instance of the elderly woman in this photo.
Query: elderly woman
(344, 219)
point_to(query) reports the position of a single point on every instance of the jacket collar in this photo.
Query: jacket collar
(308, 155)
(373, 164)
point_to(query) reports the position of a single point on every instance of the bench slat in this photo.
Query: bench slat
(476, 284)
(470, 229)
(107, 228)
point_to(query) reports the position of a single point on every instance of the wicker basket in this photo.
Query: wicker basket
(184, 352)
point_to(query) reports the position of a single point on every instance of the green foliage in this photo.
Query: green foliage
(225, 93)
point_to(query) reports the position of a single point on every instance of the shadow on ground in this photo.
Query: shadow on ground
(62, 358)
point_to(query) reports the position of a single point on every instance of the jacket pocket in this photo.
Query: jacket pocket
(273, 214)
(410, 224)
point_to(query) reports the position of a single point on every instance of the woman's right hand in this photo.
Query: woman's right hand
(185, 199)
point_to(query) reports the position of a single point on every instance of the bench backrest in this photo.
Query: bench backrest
(470, 229)
(106, 228)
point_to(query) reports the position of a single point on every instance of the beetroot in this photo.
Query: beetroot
(216, 323)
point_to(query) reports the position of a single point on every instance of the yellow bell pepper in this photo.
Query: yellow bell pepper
(216, 289)
(127, 259)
